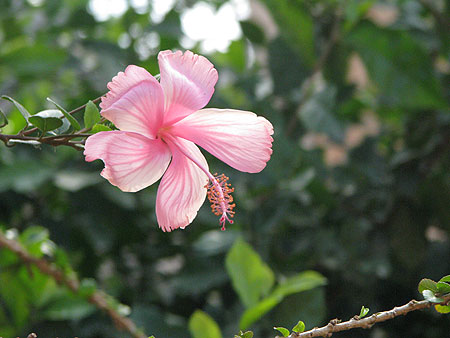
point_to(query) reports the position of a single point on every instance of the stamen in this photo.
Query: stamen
(219, 191)
(219, 195)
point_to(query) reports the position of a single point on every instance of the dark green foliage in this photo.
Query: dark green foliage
(357, 192)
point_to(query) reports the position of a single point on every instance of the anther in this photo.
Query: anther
(219, 195)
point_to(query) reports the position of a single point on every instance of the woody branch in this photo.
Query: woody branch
(336, 325)
(98, 298)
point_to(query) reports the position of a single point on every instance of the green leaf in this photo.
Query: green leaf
(445, 279)
(399, 66)
(91, 115)
(16, 176)
(318, 113)
(253, 32)
(99, 127)
(354, 10)
(247, 334)
(26, 115)
(430, 296)
(296, 26)
(68, 307)
(364, 311)
(58, 114)
(285, 332)
(17, 301)
(443, 288)
(3, 119)
(201, 325)
(442, 308)
(253, 313)
(47, 120)
(300, 327)
(250, 276)
(74, 123)
(36, 240)
(427, 284)
(87, 287)
(282, 57)
(304, 281)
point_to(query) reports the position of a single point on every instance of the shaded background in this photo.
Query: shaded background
(358, 187)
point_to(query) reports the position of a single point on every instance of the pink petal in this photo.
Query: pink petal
(188, 83)
(239, 138)
(132, 161)
(135, 102)
(182, 190)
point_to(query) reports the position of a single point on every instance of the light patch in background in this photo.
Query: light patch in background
(159, 9)
(215, 30)
(107, 9)
(202, 23)
(36, 3)
(140, 6)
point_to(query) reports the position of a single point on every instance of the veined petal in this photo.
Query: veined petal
(239, 138)
(188, 83)
(135, 102)
(132, 161)
(182, 190)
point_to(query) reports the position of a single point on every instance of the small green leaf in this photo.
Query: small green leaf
(247, 334)
(91, 115)
(68, 307)
(99, 127)
(21, 108)
(87, 287)
(445, 279)
(58, 114)
(45, 124)
(430, 296)
(300, 327)
(443, 288)
(33, 238)
(47, 120)
(442, 308)
(201, 325)
(364, 311)
(285, 332)
(427, 284)
(74, 123)
(3, 119)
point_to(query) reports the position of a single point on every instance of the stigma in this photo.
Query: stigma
(219, 195)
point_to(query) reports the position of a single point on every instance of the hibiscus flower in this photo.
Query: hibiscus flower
(160, 125)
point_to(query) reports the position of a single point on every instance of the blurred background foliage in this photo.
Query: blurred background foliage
(357, 190)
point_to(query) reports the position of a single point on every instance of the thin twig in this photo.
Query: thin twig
(50, 140)
(98, 298)
(336, 325)
(56, 140)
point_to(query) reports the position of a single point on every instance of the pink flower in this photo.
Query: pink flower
(160, 125)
